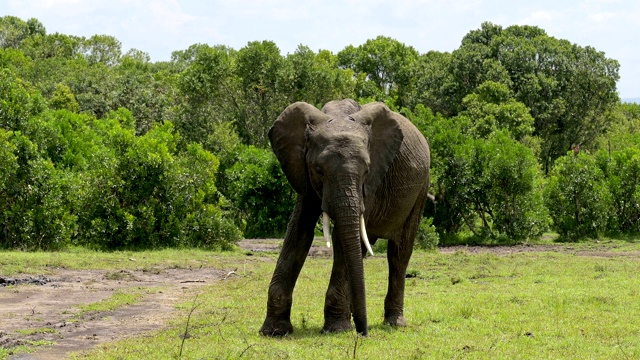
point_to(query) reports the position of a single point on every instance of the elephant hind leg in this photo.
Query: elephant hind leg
(398, 255)
(398, 258)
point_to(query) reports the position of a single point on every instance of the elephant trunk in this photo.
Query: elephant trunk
(347, 229)
(363, 232)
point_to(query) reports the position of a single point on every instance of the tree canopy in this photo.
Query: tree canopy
(106, 148)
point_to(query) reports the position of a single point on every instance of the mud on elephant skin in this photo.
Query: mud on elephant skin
(366, 168)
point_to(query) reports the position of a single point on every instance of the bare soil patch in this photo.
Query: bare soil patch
(50, 310)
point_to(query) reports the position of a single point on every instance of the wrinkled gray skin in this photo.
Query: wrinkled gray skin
(348, 161)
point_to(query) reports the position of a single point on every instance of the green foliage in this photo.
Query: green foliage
(34, 213)
(569, 89)
(146, 195)
(260, 194)
(427, 237)
(512, 183)
(63, 98)
(577, 197)
(492, 107)
(260, 69)
(623, 182)
(491, 186)
(14, 30)
(93, 126)
(17, 102)
(388, 68)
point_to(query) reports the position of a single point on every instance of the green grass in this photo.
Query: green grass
(528, 305)
(581, 303)
(44, 330)
(12, 262)
(117, 300)
(28, 347)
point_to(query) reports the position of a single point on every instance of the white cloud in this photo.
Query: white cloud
(538, 17)
(167, 14)
(602, 17)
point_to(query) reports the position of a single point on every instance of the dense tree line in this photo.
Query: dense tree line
(111, 150)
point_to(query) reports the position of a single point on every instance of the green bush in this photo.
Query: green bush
(146, 194)
(512, 188)
(261, 196)
(577, 197)
(622, 172)
(34, 213)
(427, 237)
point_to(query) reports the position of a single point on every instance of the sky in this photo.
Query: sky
(160, 27)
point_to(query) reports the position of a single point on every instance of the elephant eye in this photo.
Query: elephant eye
(319, 171)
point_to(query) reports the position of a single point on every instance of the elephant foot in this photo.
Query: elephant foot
(276, 328)
(336, 326)
(395, 320)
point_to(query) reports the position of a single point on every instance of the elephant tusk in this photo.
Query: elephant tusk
(363, 235)
(325, 229)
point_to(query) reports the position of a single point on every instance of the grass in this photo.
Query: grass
(580, 302)
(119, 299)
(12, 263)
(44, 330)
(28, 347)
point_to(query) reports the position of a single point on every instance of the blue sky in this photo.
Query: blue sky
(160, 27)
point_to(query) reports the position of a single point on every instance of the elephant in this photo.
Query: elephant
(366, 168)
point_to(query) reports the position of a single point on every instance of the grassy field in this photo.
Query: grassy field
(575, 301)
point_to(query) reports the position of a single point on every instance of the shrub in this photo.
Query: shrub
(577, 197)
(622, 172)
(261, 196)
(34, 213)
(427, 237)
(146, 194)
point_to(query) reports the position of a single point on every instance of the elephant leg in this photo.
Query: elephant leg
(337, 312)
(294, 252)
(398, 258)
(398, 254)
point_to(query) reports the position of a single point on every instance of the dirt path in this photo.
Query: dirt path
(51, 310)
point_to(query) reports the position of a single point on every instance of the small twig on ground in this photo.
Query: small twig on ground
(356, 342)
(232, 272)
(186, 328)
(622, 349)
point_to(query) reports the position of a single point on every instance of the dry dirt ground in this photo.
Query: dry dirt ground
(51, 304)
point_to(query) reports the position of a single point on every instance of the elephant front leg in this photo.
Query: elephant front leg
(337, 314)
(292, 256)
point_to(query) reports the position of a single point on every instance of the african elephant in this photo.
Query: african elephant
(367, 169)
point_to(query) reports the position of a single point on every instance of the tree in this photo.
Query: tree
(570, 90)
(18, 102)
(388, 65)
(103, 49)
(63, 98)
(33, 211)
(14, 30)
(260, 70)
(316, 78)
(492, 107)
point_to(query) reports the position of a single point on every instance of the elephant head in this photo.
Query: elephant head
(341, 155)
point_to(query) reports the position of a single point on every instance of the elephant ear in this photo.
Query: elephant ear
(384, 143)
(288, 141)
